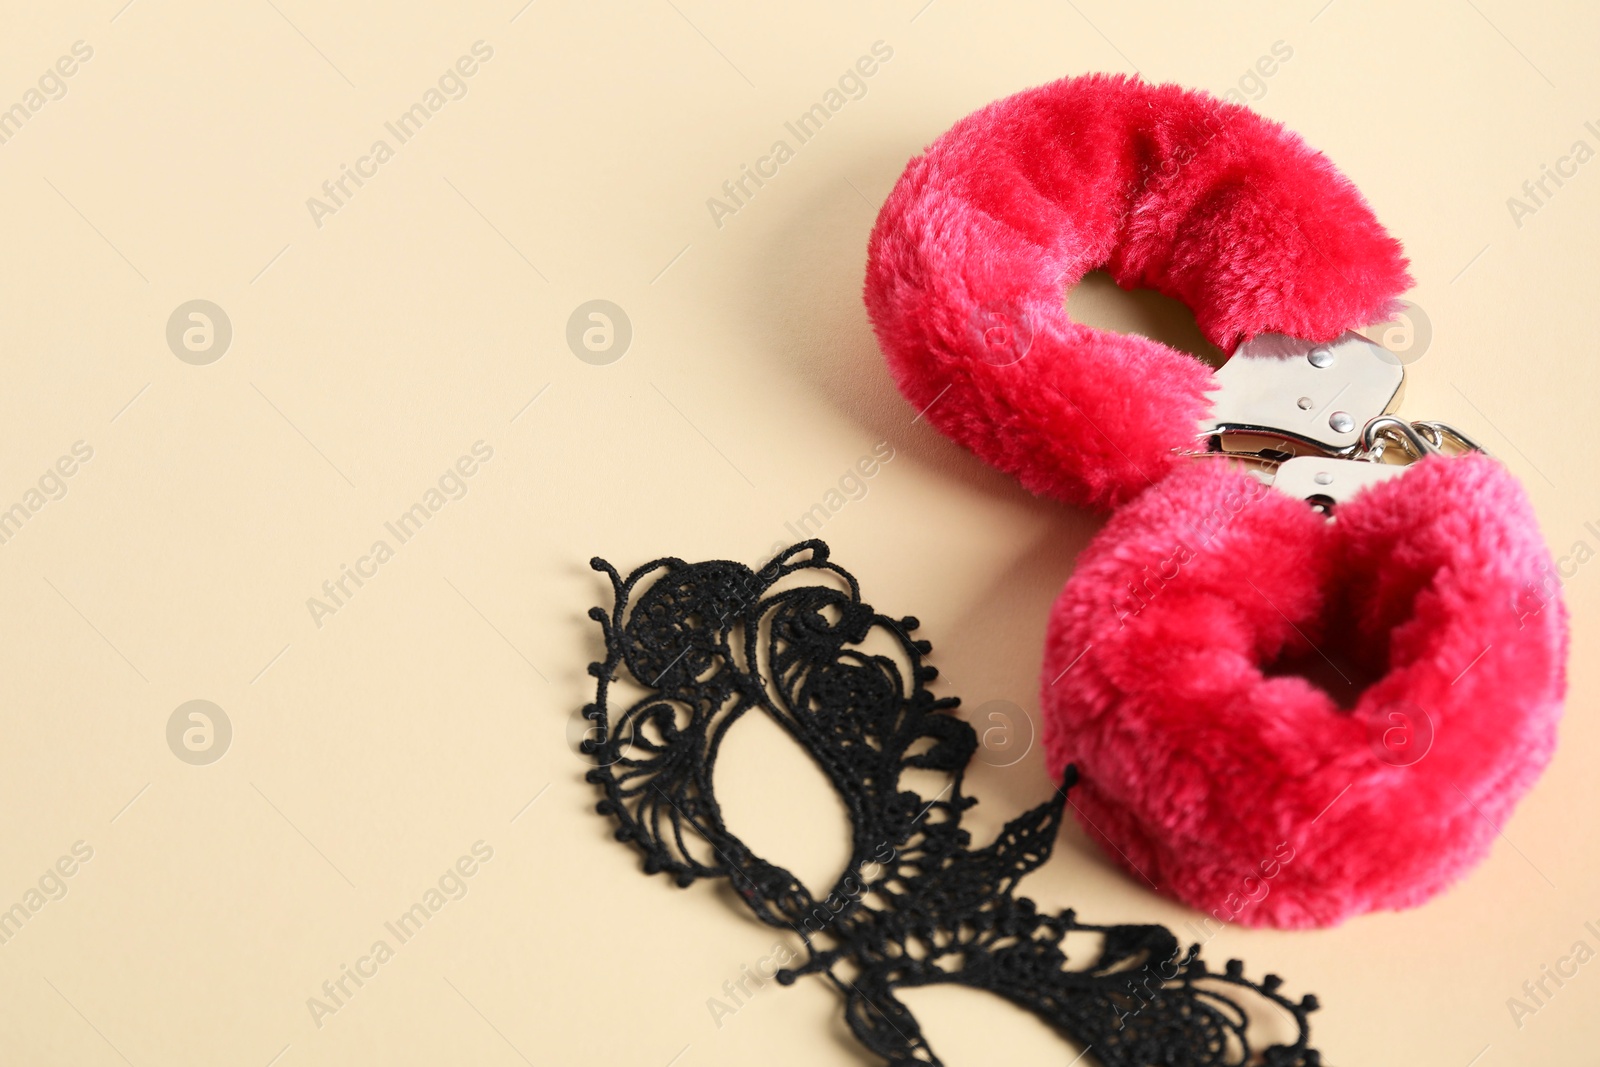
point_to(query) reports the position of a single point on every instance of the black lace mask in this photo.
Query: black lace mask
(708, 642)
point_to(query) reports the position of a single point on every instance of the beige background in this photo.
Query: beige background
(371, 752)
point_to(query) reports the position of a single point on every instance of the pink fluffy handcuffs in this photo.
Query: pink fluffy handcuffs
(1211, 768)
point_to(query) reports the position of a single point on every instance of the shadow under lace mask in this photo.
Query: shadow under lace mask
(917, 905)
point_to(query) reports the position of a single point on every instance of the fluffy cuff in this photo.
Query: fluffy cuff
(1169, 189)
(1216, 772)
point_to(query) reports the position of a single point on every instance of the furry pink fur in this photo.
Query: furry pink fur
(1242, 788)
(1169, 189)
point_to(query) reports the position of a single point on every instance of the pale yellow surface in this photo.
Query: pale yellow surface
(372, 752)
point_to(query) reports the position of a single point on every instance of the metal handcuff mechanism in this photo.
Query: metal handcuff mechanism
(1318, 418)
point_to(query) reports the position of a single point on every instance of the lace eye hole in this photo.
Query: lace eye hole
(963, 1023)
(777, 801)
